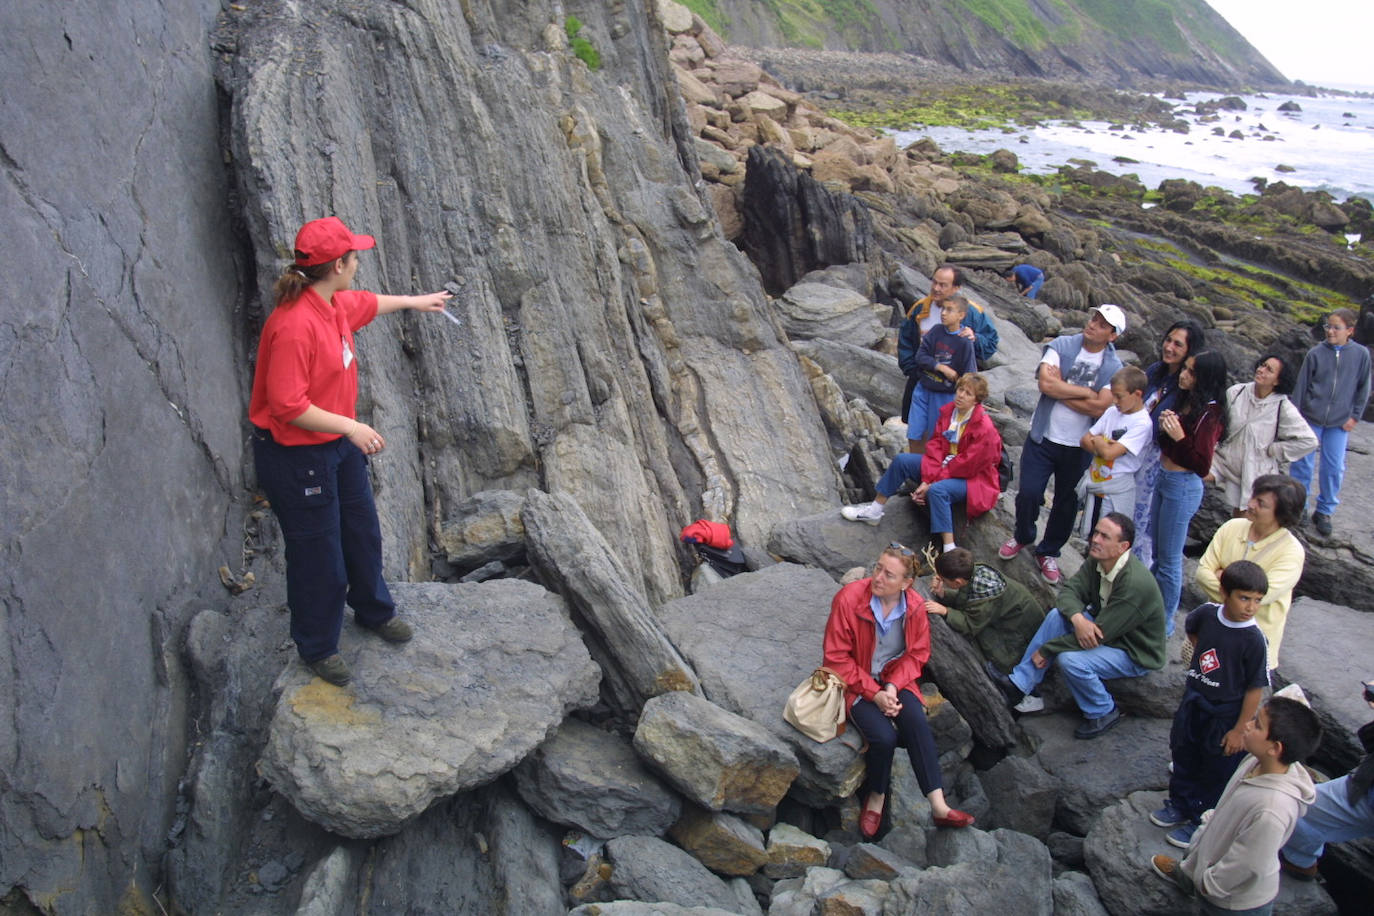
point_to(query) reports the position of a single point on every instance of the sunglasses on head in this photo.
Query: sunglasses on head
(902, 549)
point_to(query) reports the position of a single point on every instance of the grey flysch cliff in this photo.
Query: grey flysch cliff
(157, 161)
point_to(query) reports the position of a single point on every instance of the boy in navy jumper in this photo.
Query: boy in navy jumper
(1226, 678)
(943, 356)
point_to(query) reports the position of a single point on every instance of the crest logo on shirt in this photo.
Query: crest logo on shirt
(1208, 661)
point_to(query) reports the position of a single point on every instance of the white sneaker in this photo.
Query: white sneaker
(1030, 703)
(869, 513)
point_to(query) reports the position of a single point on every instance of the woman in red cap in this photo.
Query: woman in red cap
(310, 450)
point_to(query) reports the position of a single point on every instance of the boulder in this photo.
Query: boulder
(734, 76)
(811, 309)
(638, 908)
(981, 257)
(1016, 879)
(1004, 160)
(799, 896)
(648, 869)
(766, 104)
(1075, 895)
(675, 17)
(1021, 797)
(860, 372)
(1138, 749)
(720, 841)
(718, 759)
(571, 554)
(1118, 851)
(792, 851)
(750, 661)
(956, 666)
(484, 527)
(590, 779)
(492, 670)
(866, 861)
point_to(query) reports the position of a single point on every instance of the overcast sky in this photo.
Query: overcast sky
(1324, 42)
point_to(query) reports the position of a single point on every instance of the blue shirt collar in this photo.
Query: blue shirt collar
(876, 605)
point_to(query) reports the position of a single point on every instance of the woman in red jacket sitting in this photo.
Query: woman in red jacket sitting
(959, 465)
(877, 640)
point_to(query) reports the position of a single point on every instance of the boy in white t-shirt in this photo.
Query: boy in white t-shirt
(1115, 442)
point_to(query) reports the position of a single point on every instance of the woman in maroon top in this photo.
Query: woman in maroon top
(1188, 437)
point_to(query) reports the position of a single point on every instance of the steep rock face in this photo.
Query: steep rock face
(614, 346)
(1116, 43)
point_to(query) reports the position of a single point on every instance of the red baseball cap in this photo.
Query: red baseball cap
(322, 240)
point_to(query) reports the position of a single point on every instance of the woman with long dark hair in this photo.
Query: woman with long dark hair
(1161, 392)
(1188, 437)
(310, 450)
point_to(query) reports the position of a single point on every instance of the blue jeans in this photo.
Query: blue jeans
(1329, 819)
(1331, 445)
(1082, 669)
(1039, 462)
(1177, 497)
(939, 497)
(1034, 289)
(925, 411)
(908, 729)
(906, 466)
(322, 498)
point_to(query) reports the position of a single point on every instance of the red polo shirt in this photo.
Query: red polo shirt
(305, 357)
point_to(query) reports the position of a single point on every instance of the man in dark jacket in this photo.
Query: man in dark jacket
(924, 313)
(1000, 615)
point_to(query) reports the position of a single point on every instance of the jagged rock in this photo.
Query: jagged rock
(798, 896)
(648, 869)
(570, 552)
(1323, 667)
(1074, 895)
(1290, 105)
(868, 861)
(1017, 880)
(484, 527)
(735, 77)
(1118, 851)
(1328, 216)
(694, 91)
(980, 257)
(638, 908)
(860, 372)
(854, 898)
(793, 224)
(792, 851)
(1066, 848)
(1021, 797)
(493, 668)
(811, 309)
(592, 780)
(1138, 749)
(749, 662)
(766, 104)
(722, 842)
(953, 847)
(716, 758)
(675, 17)
(957, 667)
(1003, 160)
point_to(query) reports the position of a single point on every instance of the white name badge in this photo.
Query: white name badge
(347, 353)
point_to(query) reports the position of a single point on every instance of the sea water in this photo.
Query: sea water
(1329, 144)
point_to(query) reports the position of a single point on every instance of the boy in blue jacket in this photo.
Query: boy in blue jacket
(943, 356)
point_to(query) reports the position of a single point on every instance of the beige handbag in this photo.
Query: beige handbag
(816, 707)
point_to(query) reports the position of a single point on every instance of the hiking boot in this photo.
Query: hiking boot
(1029, 703)
(395, 630)
(1181, 835)
(332, 669)
(1167, 867)
(1322, 522)
(1169, 815)
(1301, 872)
(1005, 684)
(1049, 569)
(868, 513)
(1010, 549)
(1091, 728)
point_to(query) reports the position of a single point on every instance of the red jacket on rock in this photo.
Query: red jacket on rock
(851, 635)
(980, 449)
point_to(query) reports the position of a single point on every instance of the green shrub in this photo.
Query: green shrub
(581, 47)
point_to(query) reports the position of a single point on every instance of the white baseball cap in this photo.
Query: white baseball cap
(1113, 315)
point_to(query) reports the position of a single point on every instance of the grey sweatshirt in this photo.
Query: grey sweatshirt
(1333, 385)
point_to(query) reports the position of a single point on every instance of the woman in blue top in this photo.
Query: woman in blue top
(1161, 393)
(1332, 393)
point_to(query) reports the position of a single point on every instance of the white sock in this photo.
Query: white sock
(948, 547)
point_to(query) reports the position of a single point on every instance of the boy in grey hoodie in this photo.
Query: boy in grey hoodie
(1233, 863)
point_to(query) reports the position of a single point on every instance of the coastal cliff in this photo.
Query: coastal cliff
(1123, 44)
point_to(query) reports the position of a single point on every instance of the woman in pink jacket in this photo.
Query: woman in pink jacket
(877, 640)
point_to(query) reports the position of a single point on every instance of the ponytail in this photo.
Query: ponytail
(294, 281)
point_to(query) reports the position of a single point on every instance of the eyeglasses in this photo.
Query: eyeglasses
(1334, 327)
(902, 549)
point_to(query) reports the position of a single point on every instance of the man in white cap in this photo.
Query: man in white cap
(1074, 377)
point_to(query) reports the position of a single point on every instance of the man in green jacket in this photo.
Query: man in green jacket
(998, 614)
(1109, 623)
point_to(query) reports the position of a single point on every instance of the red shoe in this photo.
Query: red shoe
(955, 818)
(869, 822)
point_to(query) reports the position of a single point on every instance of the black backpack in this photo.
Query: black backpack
(1005, 470)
